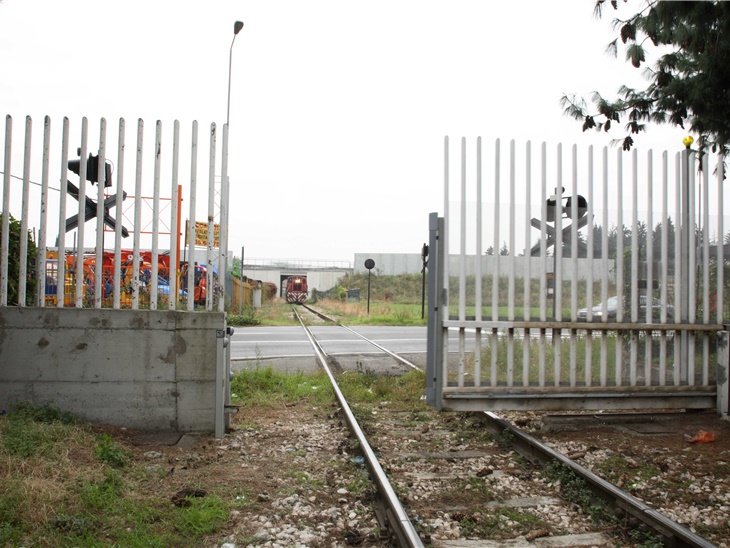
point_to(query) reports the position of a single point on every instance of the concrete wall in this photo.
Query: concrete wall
(142, 369)
(321, 280)
(390, 264)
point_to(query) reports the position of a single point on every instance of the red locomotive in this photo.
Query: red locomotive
(296, 289)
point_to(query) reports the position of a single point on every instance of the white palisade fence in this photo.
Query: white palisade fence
(567, 279)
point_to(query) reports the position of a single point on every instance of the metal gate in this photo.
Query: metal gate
(98, 239)
(593, 286)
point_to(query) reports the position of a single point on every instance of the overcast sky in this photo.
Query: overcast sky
(338, 108)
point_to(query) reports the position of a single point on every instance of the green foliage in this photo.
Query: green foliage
(45, 413)
(248, 318)
(204, 515)
(403, 288)
(33, 431)
(575, 489)
(12, 527)
(109, 452)
(263, 386)
(104, 494)
(687, 84)
(14, 263)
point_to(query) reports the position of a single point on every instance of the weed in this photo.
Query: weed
(103, 494)
(574, 489)
(248, 318)
(645, 539)
(204, 516)
(504, 439)
(109, 452)
(24, 437)
(45, 414)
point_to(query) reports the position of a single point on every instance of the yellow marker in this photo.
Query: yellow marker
(687, 141)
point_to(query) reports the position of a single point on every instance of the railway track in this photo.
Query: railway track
(478, 479)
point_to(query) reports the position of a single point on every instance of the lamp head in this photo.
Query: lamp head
(237, 26)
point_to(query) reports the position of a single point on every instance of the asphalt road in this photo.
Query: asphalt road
(288, 348)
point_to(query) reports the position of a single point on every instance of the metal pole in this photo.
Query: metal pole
(240, 293)
(237, 26)
(684, 262)
(424, 255)
(368, 291)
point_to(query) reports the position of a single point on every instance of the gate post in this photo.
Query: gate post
(220, 383)
(435, 340)
(723, 364)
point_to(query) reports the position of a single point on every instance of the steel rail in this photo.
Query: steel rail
(397, 519)
(376, 345)
(534, 449)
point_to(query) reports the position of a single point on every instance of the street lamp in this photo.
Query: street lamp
(237, 26)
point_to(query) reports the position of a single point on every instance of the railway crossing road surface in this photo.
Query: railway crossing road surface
(287, 347)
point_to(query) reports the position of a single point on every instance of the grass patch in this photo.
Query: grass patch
(574, 489)
(62, 485)
(265, 387)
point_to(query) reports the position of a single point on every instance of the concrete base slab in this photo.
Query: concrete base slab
(163, 438)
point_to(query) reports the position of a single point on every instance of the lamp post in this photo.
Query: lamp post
(237, 26)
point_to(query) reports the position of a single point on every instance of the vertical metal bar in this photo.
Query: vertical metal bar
(444, 234)
(543, 261)
(720, 304)
(511, 267)
(174, 220)
(462, 266)
(649, 315)
(558, 269)
(41, 259)
(558, 246)
(220, 383)
(512, 214)
(80, 232)
(156, 218)
(574, 264)
(119, 208)
(589, 282)
(680, 337)
(478, 272)
(61, 244)
(223, 246)
(191, 219)
(574, 235)
(462, 240)
(495, 265)
(543, 237)
(434, 359)
(210, 293)
(706, 266)
(527, 273)
(633, 361)
(5, 233)
(137, 214)
(604, 271)
(23, 266)
(100, 182)
(619, 266)
(683, 266)
(665, 269)
(444, 237)
(692, 273)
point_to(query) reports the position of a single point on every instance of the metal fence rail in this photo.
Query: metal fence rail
(599, 285)
(95, 262)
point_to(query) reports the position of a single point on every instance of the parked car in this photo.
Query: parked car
(612, 305)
